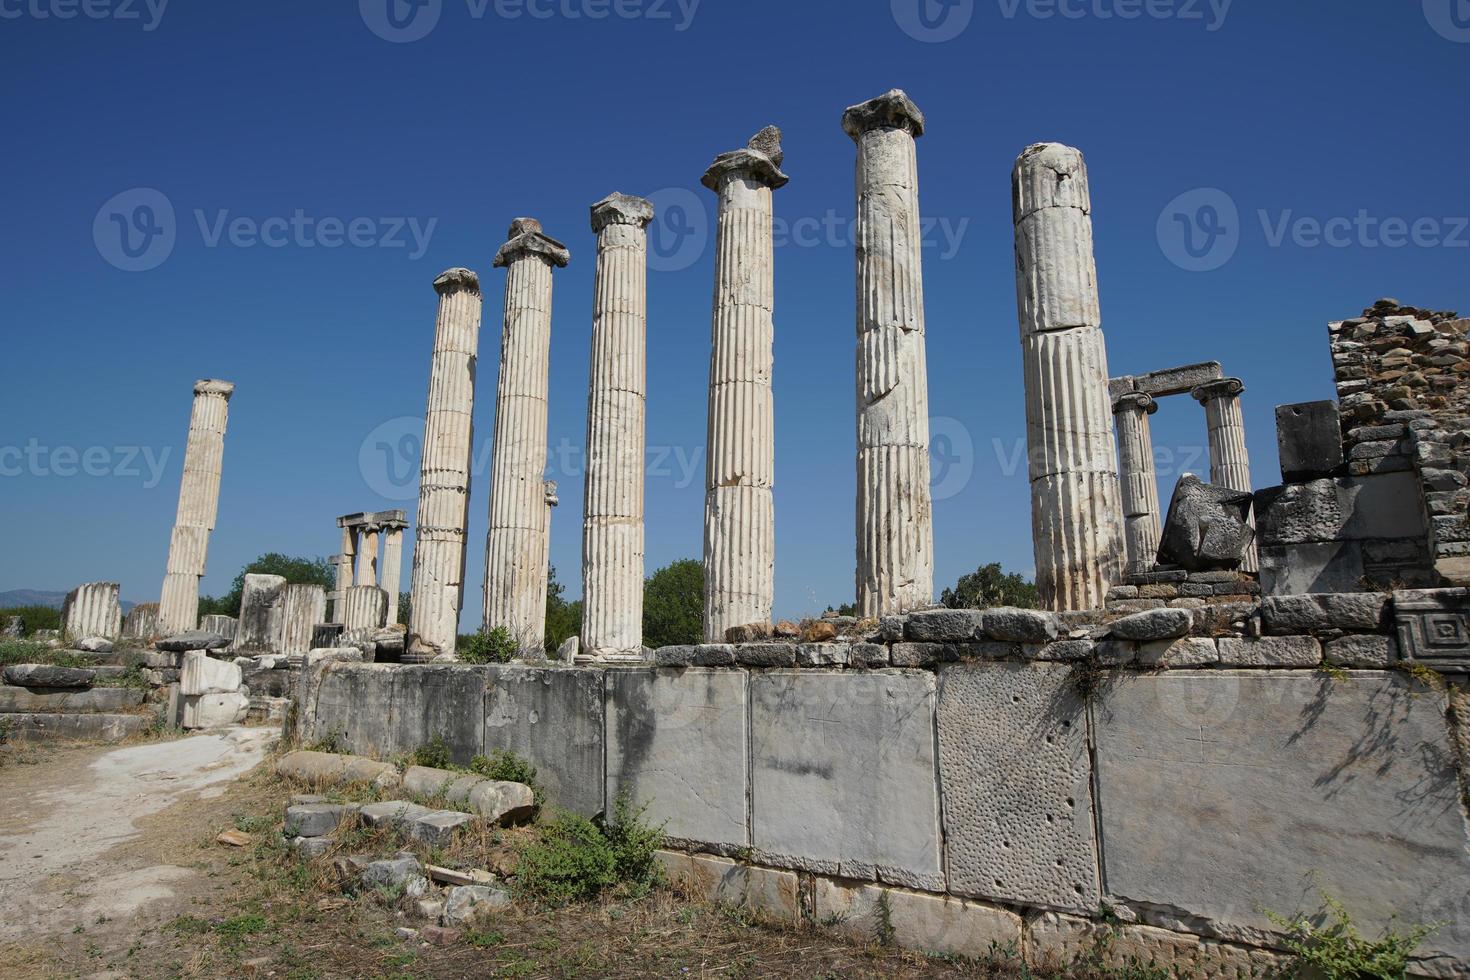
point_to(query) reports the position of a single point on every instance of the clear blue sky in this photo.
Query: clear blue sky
(1310, 109)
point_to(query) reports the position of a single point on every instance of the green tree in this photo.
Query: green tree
(296, 571)
(563, 619)
(989, 586)
(405, 607)
(673, 604)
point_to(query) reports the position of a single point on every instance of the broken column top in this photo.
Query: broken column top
(526, 238)
(210, 386)
(760, 160)
(389, 519)
(891, 110)
(1218, 388)
(1049, 175)
(451, 280)
(621, 209)
(549, 488)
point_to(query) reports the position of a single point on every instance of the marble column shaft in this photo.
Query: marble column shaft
(1230, 464)
(92, 610)
(1075, 513)
(617, 389)
(515, 595)
(739, 511)
(437, 583)
(178, 607)
(1137, 479)
(895, 529)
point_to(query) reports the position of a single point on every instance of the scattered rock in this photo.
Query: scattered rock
(314, 819)
(786, 629)
(1206, 527)
(311, 848)
(819, 632)
(749, 633)
(235, 838)
(1011, 625)
(1154, 624)
(45, 675)
(192, 640)
(440, 936)
(472, 905)
(399, 871)
(450, 876)
(94, 644)
(569, 649)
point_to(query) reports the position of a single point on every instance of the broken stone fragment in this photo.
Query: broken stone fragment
(471, 905)
(1020, 625)
(1207, 527)
(44, 675)
(1154, 624)
(192, 640)
(94, 644)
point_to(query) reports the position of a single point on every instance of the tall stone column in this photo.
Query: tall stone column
(612, 522)
(895, 528)
(1230, 464)
(739, 512)
(391, 575)
(515, 594)
(346, 561)
(367, 556)
(1076, 524)
(437, 587)
(178, 607)
(544, 558)
(1140, 487)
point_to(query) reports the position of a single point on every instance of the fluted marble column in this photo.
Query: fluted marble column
(612, 521)
(543, 558)
(178, 607)
(1140, 487)
(1076, 523)
(515, 594)
(367, 558)
(1230, 464)
(739, 512)
(437, 583)
(895, 528)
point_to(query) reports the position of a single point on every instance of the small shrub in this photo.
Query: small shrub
(502, 764)
(633, 843)
(1336, 951)
(571, 862)
(434, 754)
(331, 742)
(493, 647)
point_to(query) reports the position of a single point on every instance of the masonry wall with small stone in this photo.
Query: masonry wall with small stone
(1167, 768)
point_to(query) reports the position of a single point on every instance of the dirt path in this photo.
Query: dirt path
(82, 851)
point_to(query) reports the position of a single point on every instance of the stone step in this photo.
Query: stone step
(98, 700)
(117, 658)
(39, 726)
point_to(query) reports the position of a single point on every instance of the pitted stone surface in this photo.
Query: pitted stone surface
(1226, 792)
(553, 718)
(1013, 763)
(843, 774)
(680, 743)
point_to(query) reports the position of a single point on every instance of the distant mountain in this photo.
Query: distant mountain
(36, 597)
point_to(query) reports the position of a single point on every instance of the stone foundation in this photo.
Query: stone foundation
(955, 778)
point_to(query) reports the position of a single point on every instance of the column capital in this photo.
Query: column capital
(891, 110)
(526, 238)
(760, 160)
(454, 280)
(1138, 401)
(621, 209)
(210, 386)
(1220, 388)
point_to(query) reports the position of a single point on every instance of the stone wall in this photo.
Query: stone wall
(958, 777)
(1403, 378)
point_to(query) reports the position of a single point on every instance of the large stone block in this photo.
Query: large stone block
(262, 615)
(1358, 508)
(90, 727)
(437, 701)
(1013, 764)
(843, 774)
(204, 675)
(726, 882)
(552, 717)
(1225, 793)
(1293, 569)
(214, 710)
(69, 701)
(1309, 440)
(1434, 626)
(679, 741)
(352, 703)
(933, 924)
